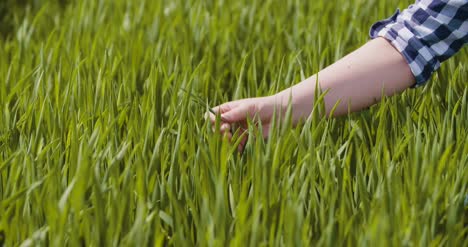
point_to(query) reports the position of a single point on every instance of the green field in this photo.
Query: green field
(101, 143)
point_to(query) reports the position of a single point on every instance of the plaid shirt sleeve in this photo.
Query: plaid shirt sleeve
(426, 33)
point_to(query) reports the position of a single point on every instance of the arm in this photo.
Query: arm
(355, 81)
(407, 48)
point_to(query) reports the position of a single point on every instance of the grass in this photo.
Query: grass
(103, 142)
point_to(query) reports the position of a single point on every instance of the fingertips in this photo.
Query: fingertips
(212, 117)
(208, 115)
(225, 127)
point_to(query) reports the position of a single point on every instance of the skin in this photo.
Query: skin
(354, 82)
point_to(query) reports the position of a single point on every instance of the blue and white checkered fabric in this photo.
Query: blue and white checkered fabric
(427, 33)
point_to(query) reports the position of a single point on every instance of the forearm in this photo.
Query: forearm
(354, 82)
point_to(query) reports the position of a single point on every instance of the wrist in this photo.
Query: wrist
(281, 101)
(301, 98)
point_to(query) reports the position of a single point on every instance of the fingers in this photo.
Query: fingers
(234, 110)
(240, 132)
(227, 106)
(238, 113)
(266, 131)
(220, 109)
(225, 127)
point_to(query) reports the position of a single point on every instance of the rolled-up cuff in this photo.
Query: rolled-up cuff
(419, 57)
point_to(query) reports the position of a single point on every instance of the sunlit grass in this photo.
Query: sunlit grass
(103, 141)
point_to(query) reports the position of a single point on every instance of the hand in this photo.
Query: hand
(237, 112)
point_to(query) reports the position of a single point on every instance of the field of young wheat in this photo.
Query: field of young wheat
(103, 140)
